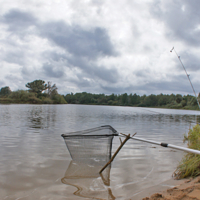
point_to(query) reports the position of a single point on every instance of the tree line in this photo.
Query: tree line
(41, 93)
(38, 93)
(176, 101)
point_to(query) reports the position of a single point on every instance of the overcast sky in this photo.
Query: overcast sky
(101, 46)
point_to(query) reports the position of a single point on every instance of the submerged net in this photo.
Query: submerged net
(87, 180)
(90, 150)
(91, 145)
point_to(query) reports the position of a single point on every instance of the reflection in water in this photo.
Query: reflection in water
(88, 181)
(42, 117)
(36, 118)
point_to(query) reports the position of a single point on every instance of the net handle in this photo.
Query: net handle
(114, 155)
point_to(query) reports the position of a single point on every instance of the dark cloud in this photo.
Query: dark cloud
(115, 89)
(178, 84)
(77, 41)
(88, 68)
(11, 77)
(144, 73)
(93, 71)
(55, 56)
(25, 71)
(18, 21)
(81, 83)
(172, 86)
(16, 57)
(52, 71)
(109, 75)
(190, 61)
(181, 18)
(84, 46)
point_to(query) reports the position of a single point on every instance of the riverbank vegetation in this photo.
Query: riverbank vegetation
(38, 93)
(160, 101)
(190, 164)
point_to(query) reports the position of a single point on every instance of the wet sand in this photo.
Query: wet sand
(186, 189)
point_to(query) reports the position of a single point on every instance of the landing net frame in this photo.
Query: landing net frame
(93, 146)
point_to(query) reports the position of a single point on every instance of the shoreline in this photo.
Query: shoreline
(8, 103)
(173, 190)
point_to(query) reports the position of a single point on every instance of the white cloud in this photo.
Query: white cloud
(100, 46)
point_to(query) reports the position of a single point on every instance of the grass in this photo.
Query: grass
(190, 164)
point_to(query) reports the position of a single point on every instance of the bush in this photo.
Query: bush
(21, 96)
(6, 100)
(193, 101)
(176, 106)
(58, 99)
(190, 164)
(35, 100)
(183, 103)
(42, 95)
(47, 101)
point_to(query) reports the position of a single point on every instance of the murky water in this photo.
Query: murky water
(35, 163)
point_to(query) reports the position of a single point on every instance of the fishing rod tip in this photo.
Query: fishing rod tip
(172, 49)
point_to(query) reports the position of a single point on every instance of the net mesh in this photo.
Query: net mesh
(83, 171)
(91, 145)
(87, 180)
(90, 150)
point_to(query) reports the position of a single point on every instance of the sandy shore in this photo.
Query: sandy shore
(188, 189)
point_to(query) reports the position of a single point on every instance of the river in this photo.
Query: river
(34, 158)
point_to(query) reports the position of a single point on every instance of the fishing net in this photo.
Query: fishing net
(91, 145)
(87, 180)
(90, 150)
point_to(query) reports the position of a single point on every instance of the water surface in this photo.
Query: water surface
(34, 159)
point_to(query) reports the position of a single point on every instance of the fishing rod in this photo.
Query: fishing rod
(163, 144)
(186, 74)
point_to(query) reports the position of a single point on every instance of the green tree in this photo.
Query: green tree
(183, 103)
(162, 99)
(111, 97)
(124, 99)
(179, 98)
(52, 90)
(151, 100)
(193, 101)
(134, 99)
(5, 91)
(58, 99)
(37, 86)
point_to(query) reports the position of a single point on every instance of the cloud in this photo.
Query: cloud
(181, 19)
(19, 21)
(97, 46)
(191, 62)
(115, 89)
(2, 84)
(82, 83)
(77, 41)
(177, 84)
(94, 71)
(53, 71)
(14, 57)
(81, 46)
